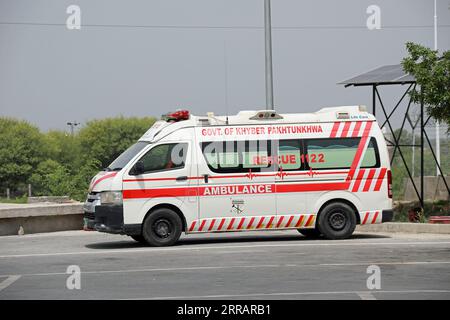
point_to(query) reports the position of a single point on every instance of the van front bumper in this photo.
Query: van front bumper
(109, 218)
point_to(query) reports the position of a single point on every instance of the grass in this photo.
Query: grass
(438, 208)
(22, 199)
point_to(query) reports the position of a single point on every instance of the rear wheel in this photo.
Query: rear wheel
(162, 228)
(337, 221)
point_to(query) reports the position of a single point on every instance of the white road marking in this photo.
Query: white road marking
(277, 266)
(384, 263)
(8, 281)
(366, 295)
(222, 296)
(340, 243)
(152, 270)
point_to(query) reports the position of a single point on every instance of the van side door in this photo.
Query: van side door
(236, 187)
(291, 178)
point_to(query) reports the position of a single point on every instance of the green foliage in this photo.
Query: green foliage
(106, 139)
(51, 178)
(438, 208)
(432, 73)
(57, 163)
(21, 151)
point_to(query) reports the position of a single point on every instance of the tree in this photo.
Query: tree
(51, 179)
(63, 148)
(22, 149)
(432, 73)
(104, 140)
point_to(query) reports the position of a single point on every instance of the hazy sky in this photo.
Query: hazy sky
(139, 58)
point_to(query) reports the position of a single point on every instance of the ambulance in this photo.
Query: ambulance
(320, 173)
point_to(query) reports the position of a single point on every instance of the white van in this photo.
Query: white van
(321, 173)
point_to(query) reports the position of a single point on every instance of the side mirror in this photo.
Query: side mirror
(138, 168)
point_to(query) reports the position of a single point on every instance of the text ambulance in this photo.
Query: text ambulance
(321, 173)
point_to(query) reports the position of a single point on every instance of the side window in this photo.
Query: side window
(289, 155)
(371, 158)
(165, 157)
(237, 156)
(338, 153)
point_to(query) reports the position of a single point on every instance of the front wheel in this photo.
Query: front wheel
(337, 221)
(162, 228)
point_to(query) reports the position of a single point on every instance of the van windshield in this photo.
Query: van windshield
(126, 156)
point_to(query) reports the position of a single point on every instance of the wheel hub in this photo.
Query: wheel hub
(162, 228)
(337, 220)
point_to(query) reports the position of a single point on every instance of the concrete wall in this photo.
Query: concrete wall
(40, 217)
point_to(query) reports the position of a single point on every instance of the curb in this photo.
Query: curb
(405, 227)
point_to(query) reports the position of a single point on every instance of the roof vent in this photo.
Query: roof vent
(266, 115)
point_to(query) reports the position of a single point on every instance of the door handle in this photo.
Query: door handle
(206, 177)
(181, 178)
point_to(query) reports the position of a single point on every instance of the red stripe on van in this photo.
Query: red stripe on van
(260, 223)
(365, 218)
(270, 222)
(362, 144)
(358, 180)
(369, 179)
(299, 222)
(375, 217)
(280, 221)
(380, 179)
(192, 225)
(221, 224)
(202, 225)
(241, 223)
(356, 129)
(106, 176)
(335, 129)
(230, 225)
(307, 224)
(312, 187)
(183, 191)
(212, 224)
(251, 223)
(346, 129)
(289, 221)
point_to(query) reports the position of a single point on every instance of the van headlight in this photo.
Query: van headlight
(111, 197)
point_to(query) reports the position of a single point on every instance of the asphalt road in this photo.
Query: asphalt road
(253, 265)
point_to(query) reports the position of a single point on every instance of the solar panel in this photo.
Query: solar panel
(390, 74)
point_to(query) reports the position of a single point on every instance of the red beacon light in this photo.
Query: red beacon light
(175, 116)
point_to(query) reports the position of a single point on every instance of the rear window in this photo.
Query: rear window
(339, 153)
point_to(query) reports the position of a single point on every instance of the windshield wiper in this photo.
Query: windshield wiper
(107, 169)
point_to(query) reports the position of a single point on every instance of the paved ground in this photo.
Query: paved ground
(264, 265)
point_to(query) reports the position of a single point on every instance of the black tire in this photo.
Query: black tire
(139, 238)
(337, 221)
(162, 228)
(310, 233)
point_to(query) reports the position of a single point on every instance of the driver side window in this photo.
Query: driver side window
(165, 157)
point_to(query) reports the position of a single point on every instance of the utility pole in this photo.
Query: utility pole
(72, 126)
(438, 142)
(268, 51)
